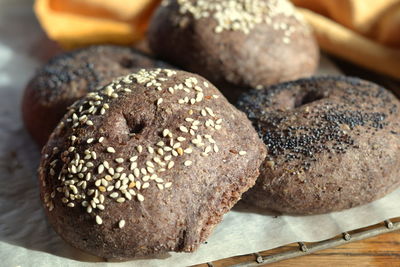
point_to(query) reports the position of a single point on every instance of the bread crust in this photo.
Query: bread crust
(71, 75)
(279, 48)
(184, 163)
(333, 143)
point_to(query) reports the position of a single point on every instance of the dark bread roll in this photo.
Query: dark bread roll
(69, 76)
(235, 44)
(148, 164)
(333, 143)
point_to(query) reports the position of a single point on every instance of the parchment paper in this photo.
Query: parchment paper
(26, 239)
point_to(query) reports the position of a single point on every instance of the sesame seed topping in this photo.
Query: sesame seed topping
(100, 169)
(121, 224)
(119, 160)
(187, 163)
(88, 182)
(239, 15)
(110, 149)
(98, 220)
(140, 197)
(242, 153)
(183, 129)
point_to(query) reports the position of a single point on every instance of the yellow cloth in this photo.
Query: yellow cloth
(76, 23)
(366, 32)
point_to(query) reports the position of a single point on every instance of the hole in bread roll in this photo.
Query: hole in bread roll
(309, 97)
(137, 128)
(127, 63)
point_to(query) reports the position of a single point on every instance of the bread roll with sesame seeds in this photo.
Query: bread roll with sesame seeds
(235, 44)
(333, 143)
(147, 164)
(70, 76)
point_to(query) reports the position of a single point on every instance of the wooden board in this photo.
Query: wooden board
(380, 251)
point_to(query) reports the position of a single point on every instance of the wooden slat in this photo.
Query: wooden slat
(380, 251)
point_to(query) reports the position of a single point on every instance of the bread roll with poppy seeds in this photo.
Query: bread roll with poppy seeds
(333, 143)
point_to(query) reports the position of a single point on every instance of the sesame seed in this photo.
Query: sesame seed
(159, 101)
(98, 220)
(120, 200)
(166, 132)
(134, 158)
(136, 172)
(170, 165)
(121, 224)
(159, 180)
(242, 153)
(110, 149)
(133, 166)
(101, 139)
(188, 150)
(187, 163)
(216, 149)
(181, 139)
(139, 148)
(160, 186)
(183, 129)
(106, 164)
(100, 169)
(119, 160)
(140, 197)
(180, 151)
(90, 140)
(150, 164)
(150, 150)
(114, 195)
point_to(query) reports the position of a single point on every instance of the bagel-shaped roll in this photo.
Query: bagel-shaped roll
(148, 164)
(333, 143)
(69, 76)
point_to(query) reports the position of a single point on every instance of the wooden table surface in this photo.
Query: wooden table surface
(379, 251)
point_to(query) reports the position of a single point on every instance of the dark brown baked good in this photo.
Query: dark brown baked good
(69, 76)
(161, 155)
(235, 44)
(333, 143)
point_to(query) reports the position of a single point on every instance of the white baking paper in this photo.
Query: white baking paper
(26, 239)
